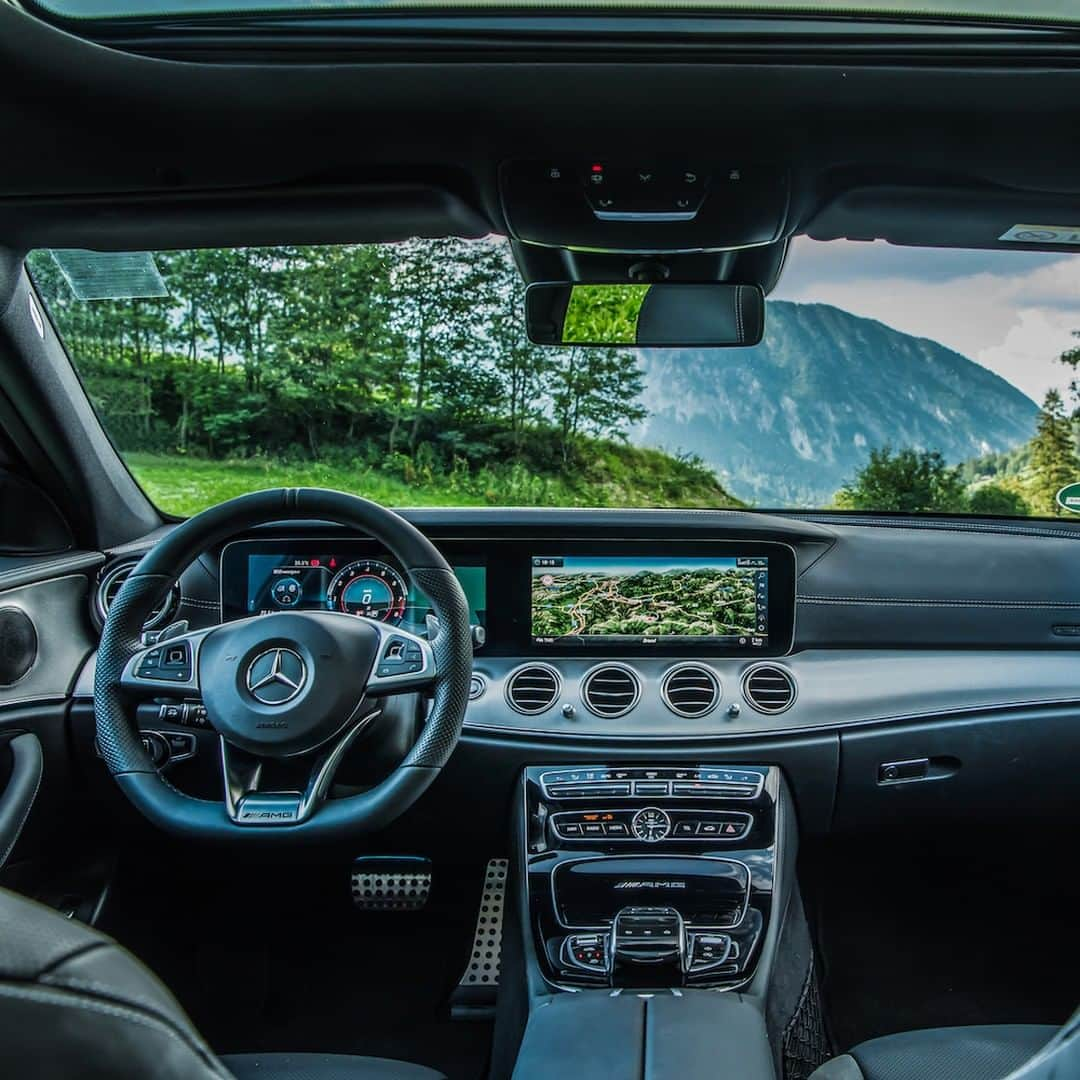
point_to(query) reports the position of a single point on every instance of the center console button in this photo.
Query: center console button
(708, 828)
(617, 828)
(652, 787)
(708, 951)
(592, 830)
(569, 828)
(586, 951)
(686, 828)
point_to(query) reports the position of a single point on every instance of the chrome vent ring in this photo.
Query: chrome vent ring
(690, 690)
(610, 690)
(769, 688)
(533, 689)
(109, 585)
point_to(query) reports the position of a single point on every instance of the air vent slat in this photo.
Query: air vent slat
(610, 691)
(769, 689)
(690, 691)
(532, 689)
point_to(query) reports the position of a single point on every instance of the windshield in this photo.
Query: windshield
(889, 379)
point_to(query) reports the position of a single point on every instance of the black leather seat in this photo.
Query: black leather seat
(960, 1053)
(74, 1003)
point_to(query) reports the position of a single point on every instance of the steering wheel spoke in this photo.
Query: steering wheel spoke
(242, 772)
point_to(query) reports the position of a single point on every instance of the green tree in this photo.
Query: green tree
(996, 500)
(1053, 457)
(908, 481)
(595, 392)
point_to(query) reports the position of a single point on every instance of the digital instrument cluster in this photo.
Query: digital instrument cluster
(260, 576)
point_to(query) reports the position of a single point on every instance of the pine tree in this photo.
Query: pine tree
(1053, 458)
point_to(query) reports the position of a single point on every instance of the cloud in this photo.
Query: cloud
(1012, 312)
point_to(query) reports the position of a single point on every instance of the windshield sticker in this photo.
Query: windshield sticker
(1043, 234)
(111, 275)
(1068, 498)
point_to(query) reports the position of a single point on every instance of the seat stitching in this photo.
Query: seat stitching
(75, 954)
(53, 998)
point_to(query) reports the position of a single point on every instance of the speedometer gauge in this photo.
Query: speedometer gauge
(370, 588)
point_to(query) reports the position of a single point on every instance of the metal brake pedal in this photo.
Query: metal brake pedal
(391, 882)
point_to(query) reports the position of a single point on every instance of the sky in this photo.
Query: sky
(1011, 311)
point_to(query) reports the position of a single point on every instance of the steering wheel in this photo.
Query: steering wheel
(300, 685)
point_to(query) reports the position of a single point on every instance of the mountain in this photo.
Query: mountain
(789, 421)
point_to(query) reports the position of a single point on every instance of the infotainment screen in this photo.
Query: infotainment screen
(586, 600)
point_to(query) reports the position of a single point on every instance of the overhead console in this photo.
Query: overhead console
(645, 205)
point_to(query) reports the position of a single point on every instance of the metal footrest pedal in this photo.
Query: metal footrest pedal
(474, 997)
(391, 882)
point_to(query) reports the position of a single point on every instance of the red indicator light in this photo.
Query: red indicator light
(598, 168)
(315, 562)
(333, 563)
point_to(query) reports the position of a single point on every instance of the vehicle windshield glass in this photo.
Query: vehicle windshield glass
(889, 379)
(1050, 11)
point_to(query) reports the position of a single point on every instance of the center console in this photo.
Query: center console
(642, 876)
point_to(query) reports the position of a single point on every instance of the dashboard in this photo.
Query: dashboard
(542, 597)
(892, 651)
(862, 624)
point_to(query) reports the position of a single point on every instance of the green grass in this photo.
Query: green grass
(616, 475)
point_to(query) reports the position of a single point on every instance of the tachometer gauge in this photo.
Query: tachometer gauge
(370, 588)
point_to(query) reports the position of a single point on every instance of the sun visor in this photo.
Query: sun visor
(952, 218)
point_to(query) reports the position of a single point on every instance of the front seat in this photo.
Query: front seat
(993, 1052)
(74, 1003)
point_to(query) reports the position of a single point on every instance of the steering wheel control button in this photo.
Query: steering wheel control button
(276, 676)
(400, 656)
(169, 663)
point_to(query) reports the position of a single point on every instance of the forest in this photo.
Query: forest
(398, 371)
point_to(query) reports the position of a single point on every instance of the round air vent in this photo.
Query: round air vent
(768, 688)
(109, 586)
(610, 690)
(690, 690)
(533, 688)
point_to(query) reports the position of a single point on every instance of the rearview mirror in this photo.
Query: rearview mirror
(673, 314)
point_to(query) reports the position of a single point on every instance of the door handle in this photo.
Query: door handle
(18, 796)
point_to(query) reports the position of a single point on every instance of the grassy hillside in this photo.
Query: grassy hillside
(607, 474)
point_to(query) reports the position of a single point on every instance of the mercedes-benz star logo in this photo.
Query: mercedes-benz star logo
(276, 676)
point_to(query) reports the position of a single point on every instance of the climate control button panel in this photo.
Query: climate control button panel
(652, 825)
